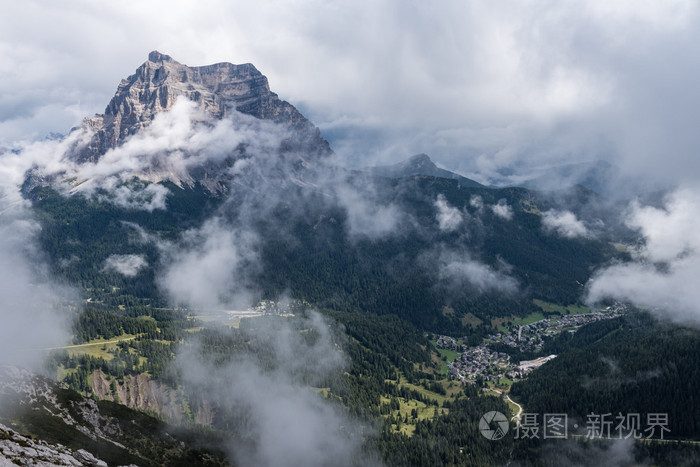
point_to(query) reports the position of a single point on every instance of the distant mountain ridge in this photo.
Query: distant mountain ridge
(421, 164)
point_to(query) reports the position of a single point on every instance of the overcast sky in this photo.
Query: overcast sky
(477, 85)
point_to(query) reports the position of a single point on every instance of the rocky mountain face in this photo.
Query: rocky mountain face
(42, 423)
(143, 393)
(219, 89)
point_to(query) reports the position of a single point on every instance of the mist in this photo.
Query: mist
(665, 265)
(35, 312)
(285, 421)
(212, 267)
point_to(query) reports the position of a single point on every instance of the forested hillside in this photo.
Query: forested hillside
(306, 251)
(634, 364)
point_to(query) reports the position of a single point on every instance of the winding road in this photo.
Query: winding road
(517, 416)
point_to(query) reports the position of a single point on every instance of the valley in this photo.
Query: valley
(232, 295)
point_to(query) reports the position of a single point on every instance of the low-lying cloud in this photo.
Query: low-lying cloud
(666, 266)
(211, 267)
(126, 265)
(286, 421)
(133, 194)
(458, 271)
(35, 313)
(502, 210)
(367, 217)
(449, 217)
(563, 223)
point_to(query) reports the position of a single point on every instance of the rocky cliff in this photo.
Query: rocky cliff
(219, 89)
(142, 393)
(16, 449)
(42, 423)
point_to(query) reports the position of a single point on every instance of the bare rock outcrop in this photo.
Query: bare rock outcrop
(16, 449)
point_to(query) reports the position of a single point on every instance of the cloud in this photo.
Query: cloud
(458, 270)
(670, 233)
(476, 202)
(367, 216)
(176, 143)
(134, 194)
(449, 218)
(502, 210)
(211, 267)
(287, 422)
(35, 313)
(563, 223)
(126, 265)
(181, 139)
(665, 266)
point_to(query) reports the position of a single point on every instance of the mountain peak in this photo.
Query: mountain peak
(157, 57)
(420, 159)
(419, 162)
(420, 165)
(218, 89)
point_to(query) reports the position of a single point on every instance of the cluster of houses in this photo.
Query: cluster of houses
(482, 363)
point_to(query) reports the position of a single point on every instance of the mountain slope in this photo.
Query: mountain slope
(418, 165)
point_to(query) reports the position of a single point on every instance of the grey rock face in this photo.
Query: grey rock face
(218, 89)
(16, 449)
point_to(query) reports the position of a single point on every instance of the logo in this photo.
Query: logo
(493, 425)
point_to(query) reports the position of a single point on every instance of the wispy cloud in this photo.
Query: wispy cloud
(459, 271)
(211, 267)
(126, 265)
(286, 421)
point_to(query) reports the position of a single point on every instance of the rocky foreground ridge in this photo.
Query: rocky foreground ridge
(43, 423)
(16, 449)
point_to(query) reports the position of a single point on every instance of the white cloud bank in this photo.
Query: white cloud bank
(210, 267)
(35, 314)
(666, 268)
